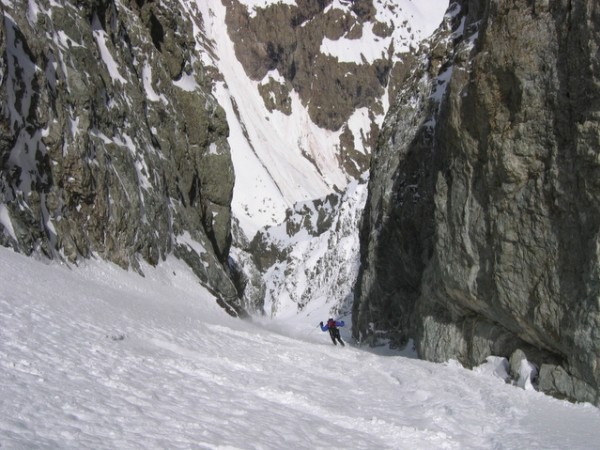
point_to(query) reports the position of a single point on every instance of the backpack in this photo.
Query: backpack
(331, 323)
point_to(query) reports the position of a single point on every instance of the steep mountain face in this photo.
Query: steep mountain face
(235, 134)
(137, 129)
(288, 39)
(305, 86)
(112, 143)
(480, 235)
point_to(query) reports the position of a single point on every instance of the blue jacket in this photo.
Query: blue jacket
(339, 323)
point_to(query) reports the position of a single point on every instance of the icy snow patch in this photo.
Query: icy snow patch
(356, 124)
(186, 82)
(101, 37)
(6, 222)
(253, 5)
(147, 80)
(186, 238)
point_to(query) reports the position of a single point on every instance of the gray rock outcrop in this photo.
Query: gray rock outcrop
(481, 230)
(111, 142)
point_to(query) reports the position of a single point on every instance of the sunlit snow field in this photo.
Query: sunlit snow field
(98, 358)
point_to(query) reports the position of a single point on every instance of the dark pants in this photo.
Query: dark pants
(335, 334)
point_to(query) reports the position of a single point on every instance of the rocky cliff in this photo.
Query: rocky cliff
(123, 123)
(112, 143)
(481, 230)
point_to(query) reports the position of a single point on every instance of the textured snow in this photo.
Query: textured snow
(101, 38)
(95, 357)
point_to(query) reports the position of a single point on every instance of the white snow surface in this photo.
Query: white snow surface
(98, 358)
(101, 41)
(252, 5)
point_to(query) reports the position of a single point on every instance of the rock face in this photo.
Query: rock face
(111, 142)
(291, 41)
(482, 226)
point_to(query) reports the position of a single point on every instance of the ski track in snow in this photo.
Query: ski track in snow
(95, 357)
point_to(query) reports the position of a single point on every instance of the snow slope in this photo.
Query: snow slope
(95, 357)
(267, 147)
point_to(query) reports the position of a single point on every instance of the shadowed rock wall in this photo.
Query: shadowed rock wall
(482, 228)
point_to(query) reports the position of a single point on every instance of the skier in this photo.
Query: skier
(334, 332)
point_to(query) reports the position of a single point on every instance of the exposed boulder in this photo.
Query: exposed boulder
(483, 218)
